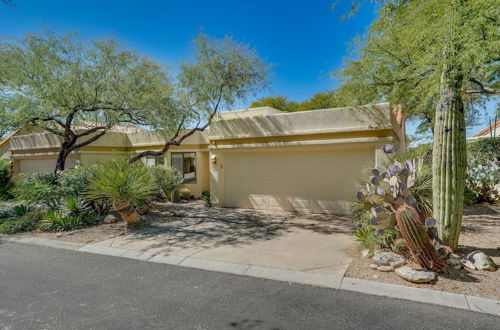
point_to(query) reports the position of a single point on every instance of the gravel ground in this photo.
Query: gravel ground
(480, 231)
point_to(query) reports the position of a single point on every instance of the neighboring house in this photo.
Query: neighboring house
(260, 158)
(5, 148)
(491, 131)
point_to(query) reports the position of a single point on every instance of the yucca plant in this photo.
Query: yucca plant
(20, 210)
(124, 186)
(74, 206)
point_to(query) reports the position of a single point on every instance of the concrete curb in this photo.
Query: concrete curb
(460, 301)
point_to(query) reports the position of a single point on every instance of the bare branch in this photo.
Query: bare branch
(483, 89)
(90, 131)
(87, 142)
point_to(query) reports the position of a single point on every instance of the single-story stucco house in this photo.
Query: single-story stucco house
(259, 158)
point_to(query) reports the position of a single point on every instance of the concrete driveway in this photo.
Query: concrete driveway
(311, 243)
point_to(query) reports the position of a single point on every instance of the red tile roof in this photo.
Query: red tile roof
(489, 128)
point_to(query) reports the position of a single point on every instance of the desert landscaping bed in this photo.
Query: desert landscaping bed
(480, 231)
(162, 212)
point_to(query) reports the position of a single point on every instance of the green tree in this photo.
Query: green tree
(222, 72)
(323, 100)
(277, 102)
(78, 89)
(7, 124)
(440, 59)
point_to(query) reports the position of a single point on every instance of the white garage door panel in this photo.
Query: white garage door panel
(304, 181)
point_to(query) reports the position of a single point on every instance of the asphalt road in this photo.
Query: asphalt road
(45, 288)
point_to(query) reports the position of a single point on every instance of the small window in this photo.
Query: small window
(185, 162)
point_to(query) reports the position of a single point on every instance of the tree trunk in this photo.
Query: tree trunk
(449, 159)
(61, 160)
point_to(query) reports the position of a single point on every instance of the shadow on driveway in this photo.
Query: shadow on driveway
(211, 227)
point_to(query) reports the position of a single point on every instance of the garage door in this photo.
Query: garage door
(309, 181)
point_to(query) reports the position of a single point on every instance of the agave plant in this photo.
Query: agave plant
(124, 186)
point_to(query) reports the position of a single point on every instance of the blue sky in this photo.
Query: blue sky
(304, 39)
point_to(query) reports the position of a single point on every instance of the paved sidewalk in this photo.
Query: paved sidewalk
(312, 243)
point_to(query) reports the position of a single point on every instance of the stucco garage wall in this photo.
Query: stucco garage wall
(41, 165)
(302, 179)
(90, 158)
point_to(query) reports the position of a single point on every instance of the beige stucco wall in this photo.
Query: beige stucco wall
(94, 157)
(353, 119)
(262, 148)
(245, 113)
(306, 161)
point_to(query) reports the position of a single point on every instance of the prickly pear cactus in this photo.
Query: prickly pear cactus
(388, 193)
(419, 244)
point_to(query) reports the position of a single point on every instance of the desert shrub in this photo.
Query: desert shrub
(38, 188)
(184, 193)
(73, 213)
(49, 190)
(74, 182)
(27, 222)
(167, 178)
(122, 185)
(206, 198)
(485, 150)
(20, 210)
(482, 180)
(5, 179)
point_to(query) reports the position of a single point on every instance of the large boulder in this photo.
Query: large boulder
(480, 261)
(415, 275)
(388, 259)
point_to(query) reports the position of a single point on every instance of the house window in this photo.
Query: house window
(152, 161)
(185, 162)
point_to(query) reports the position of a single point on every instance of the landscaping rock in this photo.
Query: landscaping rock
(385, 268)
(415, 275)
(386, 258)
(466, 263)
(479, 260)
(366, 253)
(111, 218)
(455, 262)
(398, 263)
(373, 266)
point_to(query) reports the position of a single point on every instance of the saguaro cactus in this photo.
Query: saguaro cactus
(419, 244)
(449, 163)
